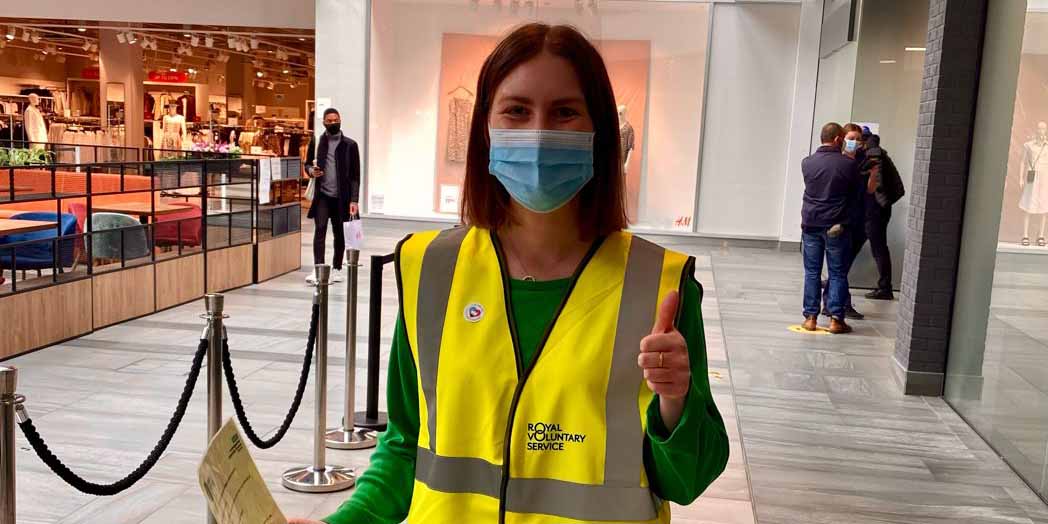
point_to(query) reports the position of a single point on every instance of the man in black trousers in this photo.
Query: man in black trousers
(885, 188)
(336, 167)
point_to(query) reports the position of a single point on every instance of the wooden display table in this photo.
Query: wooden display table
(143, 210)
(9, 226)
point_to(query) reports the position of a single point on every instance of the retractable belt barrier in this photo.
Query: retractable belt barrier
(372, 418)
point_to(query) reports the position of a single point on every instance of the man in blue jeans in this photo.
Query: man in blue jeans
(831, 183)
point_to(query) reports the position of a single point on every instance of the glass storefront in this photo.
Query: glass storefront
(425, 60)
(999, 383)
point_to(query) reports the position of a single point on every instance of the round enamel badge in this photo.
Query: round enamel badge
(474, 312)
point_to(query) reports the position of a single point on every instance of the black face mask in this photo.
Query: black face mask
(333, 129)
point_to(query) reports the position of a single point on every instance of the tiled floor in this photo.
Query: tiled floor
(825, 435)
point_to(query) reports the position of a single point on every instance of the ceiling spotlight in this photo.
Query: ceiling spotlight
(10, 33)
(173, 69)
(292, 85)
(121, 38)
(286, 71)
(259, 74)
(301, 39)
(254, 43)
(81, 29)
(131, 38)
(194, 40)
(209, 41)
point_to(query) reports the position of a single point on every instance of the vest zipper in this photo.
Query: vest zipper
(522, 373)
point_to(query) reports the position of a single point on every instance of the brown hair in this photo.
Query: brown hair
(850, 127)
(830, 132)
(602, 208)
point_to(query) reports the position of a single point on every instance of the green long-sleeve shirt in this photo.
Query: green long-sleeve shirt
(680, 463)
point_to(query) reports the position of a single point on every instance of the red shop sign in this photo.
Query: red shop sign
(168, 76)
(90, 73)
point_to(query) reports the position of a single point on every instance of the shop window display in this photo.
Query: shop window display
(425, 60)
(1024, 216)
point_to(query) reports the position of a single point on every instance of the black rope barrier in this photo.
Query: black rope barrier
(92, 488)
(238, 404)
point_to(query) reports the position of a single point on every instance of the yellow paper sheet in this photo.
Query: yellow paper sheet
(231, 483)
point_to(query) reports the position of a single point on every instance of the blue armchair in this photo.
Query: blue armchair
(39, 255)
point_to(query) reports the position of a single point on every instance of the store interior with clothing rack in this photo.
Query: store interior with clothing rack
(165, 88)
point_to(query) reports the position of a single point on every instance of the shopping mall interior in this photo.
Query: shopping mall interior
(157, 255)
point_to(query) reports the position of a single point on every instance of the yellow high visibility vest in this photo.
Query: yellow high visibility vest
(560, 441)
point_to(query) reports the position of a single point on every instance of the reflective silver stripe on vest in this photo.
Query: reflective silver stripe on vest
(624, 456)
(581, 501)
(434, 291)
(457, 474)
(551, 497)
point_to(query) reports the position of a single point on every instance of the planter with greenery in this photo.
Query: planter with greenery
(25, 157)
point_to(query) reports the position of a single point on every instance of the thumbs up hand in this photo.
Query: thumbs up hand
(664, 358)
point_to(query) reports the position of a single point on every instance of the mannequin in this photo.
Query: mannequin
(35, 126)
(174, 129)
(626, 137)
(1033, 182)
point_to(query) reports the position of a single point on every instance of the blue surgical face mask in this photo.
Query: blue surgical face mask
(542, 170)
(851, 146)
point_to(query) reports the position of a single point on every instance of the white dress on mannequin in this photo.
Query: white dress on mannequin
(1034, 199)
(35, 126)
(174, 131)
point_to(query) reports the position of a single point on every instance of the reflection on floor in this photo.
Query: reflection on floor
(1008, 401)
(825, 435)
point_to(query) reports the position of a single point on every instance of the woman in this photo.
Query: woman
(539, 335)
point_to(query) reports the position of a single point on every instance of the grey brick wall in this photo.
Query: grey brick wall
(937, 192)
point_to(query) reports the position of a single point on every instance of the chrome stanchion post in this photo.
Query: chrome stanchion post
(346, 436)
(320, 477)
(10, 404)
(215, 333)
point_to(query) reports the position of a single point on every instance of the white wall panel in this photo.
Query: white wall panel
(750, 96)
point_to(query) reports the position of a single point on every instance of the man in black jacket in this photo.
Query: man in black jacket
(337, 173)
(884, 189)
